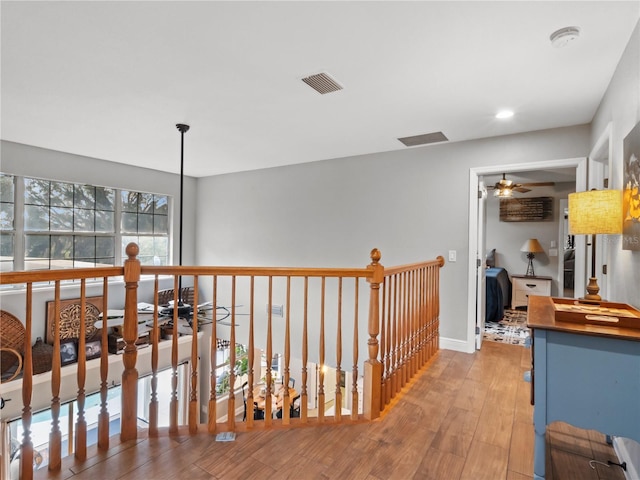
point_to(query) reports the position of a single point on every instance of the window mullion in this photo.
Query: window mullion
(18, 225)
(118, 228)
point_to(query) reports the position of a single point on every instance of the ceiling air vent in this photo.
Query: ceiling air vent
(424, 139)
(322, 83)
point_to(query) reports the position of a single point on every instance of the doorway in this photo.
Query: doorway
(476, 231)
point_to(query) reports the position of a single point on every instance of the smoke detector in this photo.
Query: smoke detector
(563, 37)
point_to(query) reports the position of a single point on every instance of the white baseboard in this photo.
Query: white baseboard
(456, 345)
(628, 451)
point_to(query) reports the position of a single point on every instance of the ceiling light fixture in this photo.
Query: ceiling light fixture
(563, 37)
(502, 114)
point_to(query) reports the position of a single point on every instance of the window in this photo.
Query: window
(223, 366)
(41, 421)
(69, 225)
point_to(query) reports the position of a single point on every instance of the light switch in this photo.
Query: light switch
(452, 255)
(553, 244)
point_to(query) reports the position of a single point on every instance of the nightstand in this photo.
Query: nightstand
(522, 286)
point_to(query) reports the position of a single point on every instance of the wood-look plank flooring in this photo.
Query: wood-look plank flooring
(463, 417)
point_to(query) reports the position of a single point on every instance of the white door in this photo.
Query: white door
(480, 265)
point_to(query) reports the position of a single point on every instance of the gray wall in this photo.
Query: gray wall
(19, 159)
(621, 106)
(411, 204)
(26, 160)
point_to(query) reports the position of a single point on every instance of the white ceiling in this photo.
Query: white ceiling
(111, 79)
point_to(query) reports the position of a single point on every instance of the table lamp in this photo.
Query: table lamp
(531, 246)
(595, 212)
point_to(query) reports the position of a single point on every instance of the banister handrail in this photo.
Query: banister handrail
(401, 336)
(388, 271)
(256, 271)
(36, 276)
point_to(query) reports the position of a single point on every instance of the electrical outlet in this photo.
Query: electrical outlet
(276, 310)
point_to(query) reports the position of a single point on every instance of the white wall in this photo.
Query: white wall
(411, 204)
(508, 237)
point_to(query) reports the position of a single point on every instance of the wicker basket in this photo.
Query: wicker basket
(42, 354)
(11, 338)
(8, 375)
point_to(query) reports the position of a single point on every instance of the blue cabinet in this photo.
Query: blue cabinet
(585, 375)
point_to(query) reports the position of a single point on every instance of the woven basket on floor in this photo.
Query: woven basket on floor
(11, 337)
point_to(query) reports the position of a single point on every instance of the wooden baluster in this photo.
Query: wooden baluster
(305, 354)
(354, 385)
(212, 411)
(250, 380)
(155, 338)
(70, 428)
(414, 324)
(425, 307)
(55, 436)
(129, 399)
(399, 319)
(437, 299)
(338, 395)
(81, 423)
(173, 404)
(412, 327)
(286, 400)
(372, 367)
(421, 314)
(231, 406)
(321, 369)
(268, 412)
(395, 347)
(384, 342)
(193, 401)
(103, 416)
(406, 333)
(26, 453)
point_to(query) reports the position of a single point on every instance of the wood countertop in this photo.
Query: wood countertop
(541, 314)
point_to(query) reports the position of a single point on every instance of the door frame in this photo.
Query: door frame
(580, 164)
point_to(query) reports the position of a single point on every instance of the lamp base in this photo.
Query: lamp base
(530, 272)
(592, 291)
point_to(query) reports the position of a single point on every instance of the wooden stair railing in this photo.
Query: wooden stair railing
(402, 335)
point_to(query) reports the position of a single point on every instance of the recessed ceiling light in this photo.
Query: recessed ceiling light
(563, 37)
(502, 114)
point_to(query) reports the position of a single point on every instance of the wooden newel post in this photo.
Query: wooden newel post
(373, 367)
(129, 410)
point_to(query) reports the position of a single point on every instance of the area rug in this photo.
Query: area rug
(512, 329)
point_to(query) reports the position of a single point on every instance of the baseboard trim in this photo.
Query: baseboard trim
(456, 345)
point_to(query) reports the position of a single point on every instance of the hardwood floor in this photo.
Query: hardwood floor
(465, 416)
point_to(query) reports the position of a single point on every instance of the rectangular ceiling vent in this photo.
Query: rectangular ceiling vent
(424, 139)
(322, 83)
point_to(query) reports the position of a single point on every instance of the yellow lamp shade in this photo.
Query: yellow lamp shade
(595, 211)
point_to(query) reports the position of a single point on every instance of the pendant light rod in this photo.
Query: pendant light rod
(183, 129)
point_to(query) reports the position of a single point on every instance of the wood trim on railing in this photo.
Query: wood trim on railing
(26, 454)
(402, 336)
(129, 402)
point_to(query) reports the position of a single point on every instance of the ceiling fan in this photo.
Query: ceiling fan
(505, 188)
